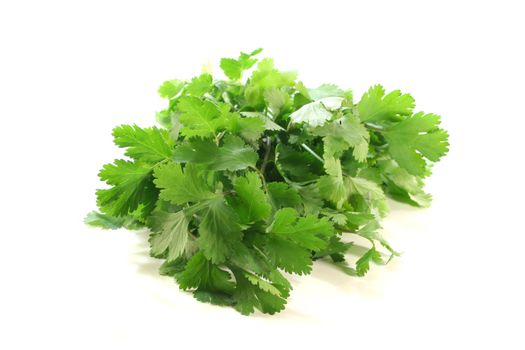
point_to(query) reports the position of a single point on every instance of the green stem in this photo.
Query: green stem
(375, 128)
(261, 175)
(268, 146)
(311, 151)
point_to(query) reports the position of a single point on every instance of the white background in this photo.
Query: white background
(72, 70)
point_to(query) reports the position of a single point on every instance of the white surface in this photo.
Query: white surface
(72, 70)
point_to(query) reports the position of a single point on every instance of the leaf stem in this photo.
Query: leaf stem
(374, 127)
(268, 146)
(261, 175)
(311, 151)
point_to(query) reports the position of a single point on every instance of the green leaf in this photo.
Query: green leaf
(250, 129)
(150, 145)
(199, 118)
(106, 221)
(233, 68)
(308, 232)
(375, 106)
(416, 138)
(343, 133)
(287, 255)
(403, 186)
(219, 230)
(234, 155)
(266, 77)
(363, 264)
(200, 85)
(201, 274)
(277, 100)
(132, 187)
(171, 88)
(170, 233)
(282, 195)
(325, 90)
(250, 296)
(297, 164)
(172, 268)
(370, 191)
(180, 187)
(196, 150)
(215, 298)
(318, 112)
(250, 201)
(334, 187)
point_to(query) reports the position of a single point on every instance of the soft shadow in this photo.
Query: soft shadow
(146, 264)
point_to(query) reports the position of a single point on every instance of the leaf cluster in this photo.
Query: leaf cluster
(248, 180)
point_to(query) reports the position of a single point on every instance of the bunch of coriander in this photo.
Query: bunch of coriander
(249, 178)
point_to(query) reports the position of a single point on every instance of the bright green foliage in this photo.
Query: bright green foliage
(233, 68)
(250, 202)
(219, 230)
(414, 138)
(180, 187)
(233, 154)
(148, 145)
(132, 188)
(171, 234)
(375, 106)
(249, 178)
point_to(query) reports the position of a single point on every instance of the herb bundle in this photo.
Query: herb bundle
(249, 178)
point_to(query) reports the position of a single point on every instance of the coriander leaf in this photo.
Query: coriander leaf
(343, 133)
(277, 100)
(282, 195)
(269, 124)
(215, 298)
(287, 255)
(172, 268)
(311, 199)
(371, 232)
(234, 68)
(297, 164)
(150, 145)
(219, 230)
(201, 274)
(106, 221)
(334, 187)
(196, 150)
(250, 201)
(170, 233)
(318, 112)
(250, 129)
(200, 85)
(199, 118)
(180, 187)
(370, 191)
(363, 264)
(414, 138)
(234, 154)
(325, 90)
(305, 231)
(403, 186)
(266, 77)
(375, 106)
(250, 296)
(132, 187)
(171, 88)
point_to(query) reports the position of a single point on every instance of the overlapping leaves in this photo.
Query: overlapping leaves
(247, 179)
